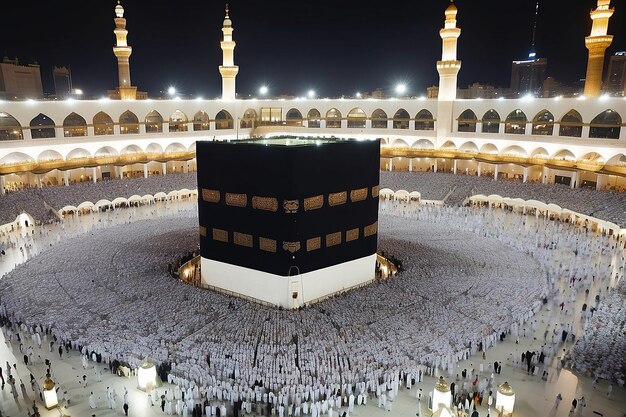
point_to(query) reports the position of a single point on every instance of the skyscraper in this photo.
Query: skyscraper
(62, 78)
(527, 76)
(615, 81)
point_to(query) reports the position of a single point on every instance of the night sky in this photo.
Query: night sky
(334, 46)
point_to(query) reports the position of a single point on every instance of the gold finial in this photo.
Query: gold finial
(226, 9)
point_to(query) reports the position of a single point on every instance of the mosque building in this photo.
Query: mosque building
(274, 240)
(578, 141)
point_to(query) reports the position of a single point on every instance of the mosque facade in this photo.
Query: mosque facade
(579, 141)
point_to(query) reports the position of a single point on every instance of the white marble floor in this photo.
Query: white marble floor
(534, 397)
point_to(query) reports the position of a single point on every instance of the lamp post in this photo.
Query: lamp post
(146, 375)
(442, 396)
(505, 399)
(49, 393)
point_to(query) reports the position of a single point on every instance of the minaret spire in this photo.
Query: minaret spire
(123, 51)
(449, 66)
(228, 69)
(596, 43)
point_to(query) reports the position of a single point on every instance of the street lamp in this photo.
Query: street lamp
(505, 399)
(263, 90)
(171, 91)
(442, 397)
(311, 93)
(146, 375)
(49, 393)
(358, 95)
(400, 89)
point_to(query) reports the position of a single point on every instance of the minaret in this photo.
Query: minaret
(122, 51)
(597, 42)
(228, 70)
(449, 66)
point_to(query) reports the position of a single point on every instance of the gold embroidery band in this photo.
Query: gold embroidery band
(333, 239)
(370, 230)
(265, 203)
(352, 234)
(211, 196)
(336, 199)
(202, 231)
(313, 244)
(291, 246)
(358, 195)
(220, 235)
(236, 200)
(313, 203)
(242, 239)
(375, 191)
(267, 245)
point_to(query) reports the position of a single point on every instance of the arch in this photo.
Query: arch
(248, 120)
(129, 123)
(571, 124)
(593, 157)
(201, 121)
(49, 155)
(564, 155)
(423, 144)
(131, 149)
(175, 147)
(102, 124)
(449, 146)
(401, 119)
(16, 158)
(540, 153)
(606, 125)
(619, 160)
(469, 147)
(154, 122)
(424, 120)
(10, 128)
(399, 143)
(178, 121)
(42, 127)
(515, 150)
(491, 122)
(313, 118)
(333, 119)
(154, 148)
(224, 121)
(379, 119)
(543, 123)
(515, 122)
(356, 118)
(489, 148)
(78, 153)
(74, 125)
(106, 151)
(467, 121)
(192, 147)
(293, 117)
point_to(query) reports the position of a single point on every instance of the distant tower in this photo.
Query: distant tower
(597, 42)
(449, 66)
(122, 51)
(228, 70)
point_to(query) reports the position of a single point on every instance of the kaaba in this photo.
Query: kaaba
(288, 221)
